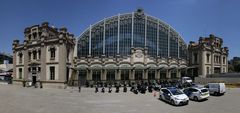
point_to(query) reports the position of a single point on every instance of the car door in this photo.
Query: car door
(190, 93)
(167, 95)
(163, 93)
(186, 91)
(195, 92)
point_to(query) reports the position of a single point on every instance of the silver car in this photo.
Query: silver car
(196, 93)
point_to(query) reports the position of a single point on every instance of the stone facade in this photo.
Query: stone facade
(137, 67)
(207, 56)
(44, 57)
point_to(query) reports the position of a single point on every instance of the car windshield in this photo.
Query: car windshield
(188, 78)
(204, 90)
(176, 92)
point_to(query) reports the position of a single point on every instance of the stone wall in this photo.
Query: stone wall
(200, 80)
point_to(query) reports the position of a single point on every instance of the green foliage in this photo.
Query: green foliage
(237, 67)
(230, 68)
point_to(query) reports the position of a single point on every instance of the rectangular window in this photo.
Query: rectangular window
(195, 58)
(208, 58)
(34, 55)
(39, 54)
(20, 59)
(20, 73)
(224, 60)
(208, 70)
(52, 53)
(29, 56)
(52, 73)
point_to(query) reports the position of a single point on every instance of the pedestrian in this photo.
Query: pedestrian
(79, 88)
(96, 89)
(103, 89)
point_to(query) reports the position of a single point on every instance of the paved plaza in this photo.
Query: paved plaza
(16, 99)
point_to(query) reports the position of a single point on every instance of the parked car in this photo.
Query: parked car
(173, 95)
(216, 88)
(196, 93)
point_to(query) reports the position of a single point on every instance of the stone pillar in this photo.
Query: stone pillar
(89, 75)
(203, 68)
(43, 75)
(186, 71)
(62, 56)
(157, 74)
(168, 74)
(221, 63)
(212, 63)
(145, 74)
(104, 74)
(117, 74)
(25, 61)
(226, 63)
(31, 56)
(14, 65)
(77, 79)
(132, 75)
(178, 73)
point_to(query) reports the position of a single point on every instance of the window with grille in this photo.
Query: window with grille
(52, 73)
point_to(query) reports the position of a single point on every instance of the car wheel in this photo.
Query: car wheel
(172, 102)
(160, 97)
(215, 93)
(195, 98)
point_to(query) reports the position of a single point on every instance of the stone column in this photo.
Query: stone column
(145, 74)
(226, 63)
(203, 59)
(221, 63)
(104, 74)
(43, 75)
(132, 76)
(62, 56)
(157, 74)
(89, 74)
(14, 65)
(168, 74)
(117, 74)
(212, 63)
(178, 73)
(25, 61)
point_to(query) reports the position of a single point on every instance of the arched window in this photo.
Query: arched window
(39, 54)
(29, 56)
(52, 53)
(34, 55)
(20, 57)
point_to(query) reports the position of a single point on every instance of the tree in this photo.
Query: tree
(237, 67)
(230, 68)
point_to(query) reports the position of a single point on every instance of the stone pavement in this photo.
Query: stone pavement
(16, 99)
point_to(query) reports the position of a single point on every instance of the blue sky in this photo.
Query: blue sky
(191, 18)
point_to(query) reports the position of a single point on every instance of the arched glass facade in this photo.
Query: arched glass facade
(116, 35)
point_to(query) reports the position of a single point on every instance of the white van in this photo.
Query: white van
(216, 88)
(186, 80)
